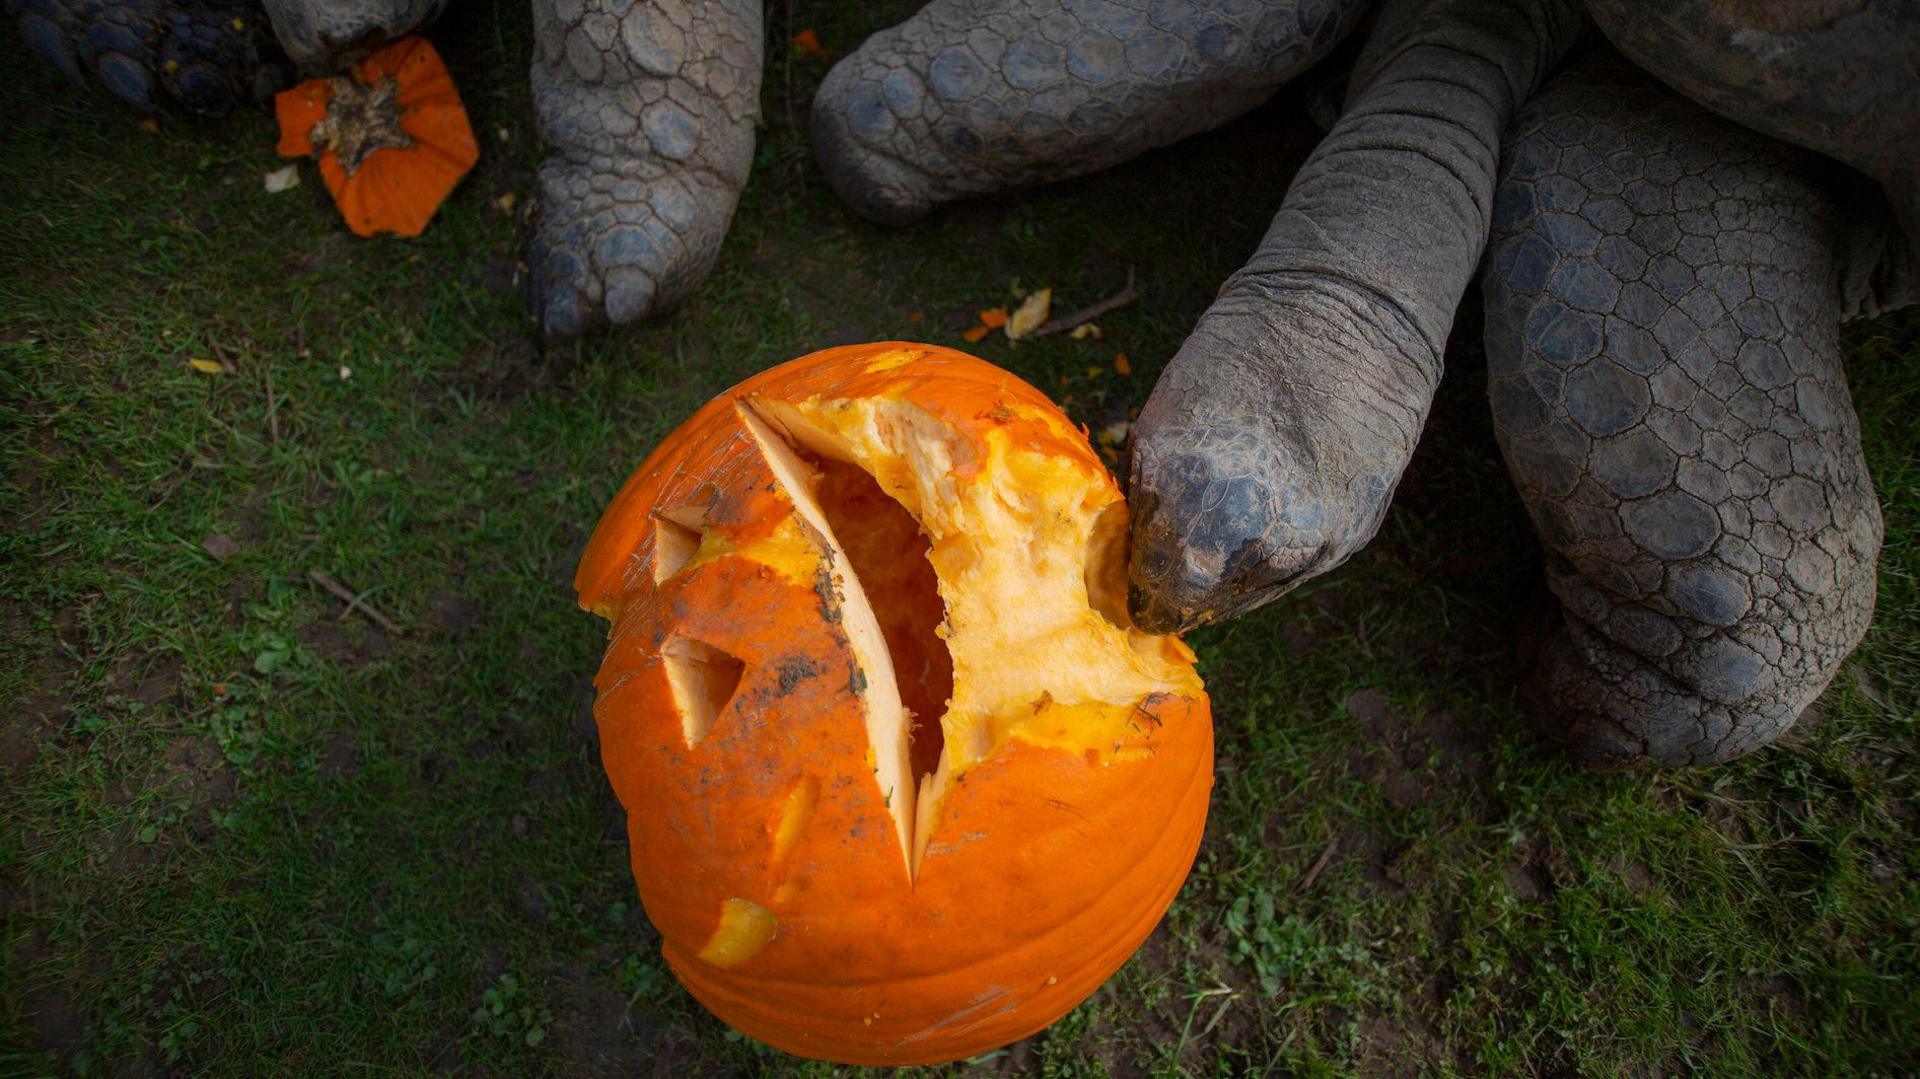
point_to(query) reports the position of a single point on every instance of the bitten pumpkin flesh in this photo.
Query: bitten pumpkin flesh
(796, 578)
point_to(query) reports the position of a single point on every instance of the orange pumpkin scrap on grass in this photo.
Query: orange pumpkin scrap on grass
(903, 783)
(391, 136)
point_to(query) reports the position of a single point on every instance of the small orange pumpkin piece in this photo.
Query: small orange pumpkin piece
(391, 136)
(903, 783)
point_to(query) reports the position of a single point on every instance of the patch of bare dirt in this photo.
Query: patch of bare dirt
(1634, 874)
(1382, 868)
(450, 612)
(1528, 883)
(339, 758)
(355, 646)
(194, 768)
(596, 1032)
(1396, 1046)
(57, 1018)
(532, 900)
(146, 680)
(1782, 994)
(1413, 761)
(508, 368)
(29, 724)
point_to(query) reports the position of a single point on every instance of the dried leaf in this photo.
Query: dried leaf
(993, 317)
(1033, 311)
(150, 125)
(1122, 364)
(345, 372)
(807, 43)
(1084, 331)
(285, 179)
(1115, 434)
(206, 366)
(506, 202)
(975, 333)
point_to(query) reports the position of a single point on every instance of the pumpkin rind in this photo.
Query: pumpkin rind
(766, 851)
(395, 189)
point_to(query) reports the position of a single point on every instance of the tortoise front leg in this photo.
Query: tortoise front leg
(648, 110)
(1663, 299)
(1272, 444)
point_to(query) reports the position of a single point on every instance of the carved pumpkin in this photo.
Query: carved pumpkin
(391, 137)
(903, 783)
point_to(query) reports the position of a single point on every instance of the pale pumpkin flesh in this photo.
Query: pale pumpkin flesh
(1025, 566)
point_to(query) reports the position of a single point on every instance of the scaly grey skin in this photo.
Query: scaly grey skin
(1838, 76)
(207, 56)
(321, 35)
(1662, 311)
(649, 114)
(1272, 444)
(969, 97)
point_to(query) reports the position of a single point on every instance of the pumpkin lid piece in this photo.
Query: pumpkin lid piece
(391, 137)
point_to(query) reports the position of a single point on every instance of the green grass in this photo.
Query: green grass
(242, 834)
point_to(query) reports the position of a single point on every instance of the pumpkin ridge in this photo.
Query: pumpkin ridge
(1202, 770)
(716, 993)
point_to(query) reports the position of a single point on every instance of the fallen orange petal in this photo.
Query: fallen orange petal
(807, 43)
(1121, 364)
(975, 333)
(993, 317)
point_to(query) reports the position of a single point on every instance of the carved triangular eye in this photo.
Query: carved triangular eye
(703, 679)
(676, 536)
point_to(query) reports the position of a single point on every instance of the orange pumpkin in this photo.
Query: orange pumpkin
(391, 136)
(902, 781)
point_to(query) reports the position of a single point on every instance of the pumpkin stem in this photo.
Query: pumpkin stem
(361, 119)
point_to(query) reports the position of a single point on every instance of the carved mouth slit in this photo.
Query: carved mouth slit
(888, 553)
(873, 542)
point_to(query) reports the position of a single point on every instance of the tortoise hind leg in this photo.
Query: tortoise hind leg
(1662, 307)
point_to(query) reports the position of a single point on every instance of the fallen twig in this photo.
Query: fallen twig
(354, 603)
(1087, 314)
(1320, 864)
